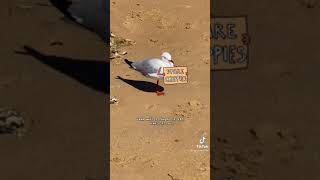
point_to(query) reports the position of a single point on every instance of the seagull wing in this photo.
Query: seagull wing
(148, 66)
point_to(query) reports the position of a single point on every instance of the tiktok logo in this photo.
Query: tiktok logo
(202, 145)
(202, 140)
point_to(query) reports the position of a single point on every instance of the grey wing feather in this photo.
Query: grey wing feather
(137, 65)
(146, 66)
(152, 65)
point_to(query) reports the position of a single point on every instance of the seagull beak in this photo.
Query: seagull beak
(172, 61)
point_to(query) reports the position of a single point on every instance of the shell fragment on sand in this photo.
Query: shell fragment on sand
(116, 43)
(113, 100)
(10, 121)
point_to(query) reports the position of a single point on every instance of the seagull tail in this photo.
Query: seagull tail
(129, 63)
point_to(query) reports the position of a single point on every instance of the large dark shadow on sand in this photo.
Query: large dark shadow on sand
(92, 73)
(142, 85)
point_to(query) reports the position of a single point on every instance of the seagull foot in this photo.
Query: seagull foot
(159, 93)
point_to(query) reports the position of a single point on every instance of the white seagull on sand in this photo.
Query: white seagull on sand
(153, 67)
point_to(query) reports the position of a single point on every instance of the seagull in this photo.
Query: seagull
(153, 67)
(90, 14)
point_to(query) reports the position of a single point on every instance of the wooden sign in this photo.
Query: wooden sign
(175, 75)
(229, 43)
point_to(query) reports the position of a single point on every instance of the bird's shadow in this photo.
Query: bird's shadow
(142, 85)
(92, 73)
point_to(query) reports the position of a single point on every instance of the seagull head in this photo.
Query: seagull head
(166, 56)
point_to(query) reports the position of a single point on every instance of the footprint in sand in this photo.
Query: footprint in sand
(205, 60)
(289, 146)
(151, 106)
(169, 21)
(189, 109)
(188, 25)
(135, 15)
(153, 40)
(244, 163)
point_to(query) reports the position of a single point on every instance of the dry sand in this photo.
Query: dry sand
(266, 118)
(140, 151)
(65, 113)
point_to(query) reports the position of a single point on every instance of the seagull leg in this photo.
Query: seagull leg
(157, 90)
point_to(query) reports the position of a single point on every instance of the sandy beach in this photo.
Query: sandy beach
(265, 118)
(140, 151)
(58, 84)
